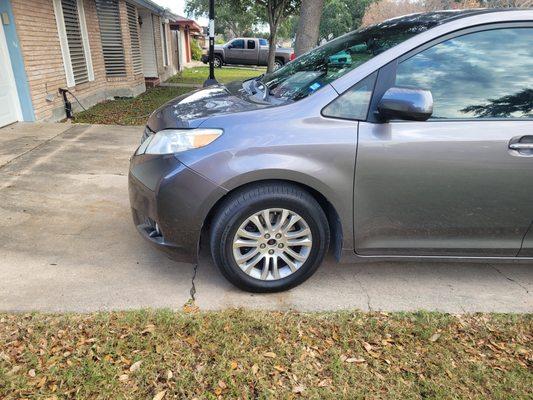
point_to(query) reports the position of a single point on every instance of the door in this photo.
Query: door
(149, 59)
(10, 109)
(250, 52)
(457, 184)
(235, 52)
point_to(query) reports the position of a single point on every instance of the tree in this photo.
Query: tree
(341, 16)
(504, 107)
(386, 9)
(233, 17)
(308, 26)
(275, 12)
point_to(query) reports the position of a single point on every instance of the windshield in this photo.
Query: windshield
(308, 73)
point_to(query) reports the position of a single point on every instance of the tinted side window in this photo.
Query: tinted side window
(238, 44)
(353, 104)
(486, 74)
(251, 44)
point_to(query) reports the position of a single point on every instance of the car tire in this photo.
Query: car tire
(287, 266)
(278, 64)
(217, 60)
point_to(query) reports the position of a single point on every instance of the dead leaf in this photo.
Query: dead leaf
(255, 368)
(355, 360)
(222, 385)
(123, 377)
(150, 328)
(191, 340)
(434, 337)
(298, 389)
(367, 346)
(135, 366)
(323, 383)
(270, 354)
(159, 395)
(13, 370)
(279, 368)
(169, 374)
(190, 308)
(233, 365)
(218, 391)
(31, 373)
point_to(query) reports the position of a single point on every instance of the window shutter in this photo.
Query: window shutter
(75, 41)
(111, 35)
(135, 40)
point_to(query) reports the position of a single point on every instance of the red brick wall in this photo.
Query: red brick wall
(39, 40)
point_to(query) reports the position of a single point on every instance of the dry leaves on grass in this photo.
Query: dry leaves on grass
(230, 355)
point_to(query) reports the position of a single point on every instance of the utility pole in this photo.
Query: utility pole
(211, 80)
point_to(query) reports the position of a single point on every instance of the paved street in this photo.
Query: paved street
(67, 243)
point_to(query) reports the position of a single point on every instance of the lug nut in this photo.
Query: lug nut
(271, 252)
(278, 236)
(280, 245)
(263, 245)
(267, 236)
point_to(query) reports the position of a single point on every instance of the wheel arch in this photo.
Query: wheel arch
(334, 221)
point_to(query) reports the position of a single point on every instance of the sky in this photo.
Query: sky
(178, 7)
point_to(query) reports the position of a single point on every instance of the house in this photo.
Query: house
(185, 31)
(96, 49)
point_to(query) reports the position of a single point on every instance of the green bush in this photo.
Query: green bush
(196, 50)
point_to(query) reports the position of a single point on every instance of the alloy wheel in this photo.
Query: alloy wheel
(272, 244)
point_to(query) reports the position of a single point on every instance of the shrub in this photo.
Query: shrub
(196, 50)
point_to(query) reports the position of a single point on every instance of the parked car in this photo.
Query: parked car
(248, 51)
(419, 148)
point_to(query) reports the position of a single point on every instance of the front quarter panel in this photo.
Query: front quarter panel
(291, 142)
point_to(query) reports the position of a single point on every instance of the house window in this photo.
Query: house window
(164, 44)
(133, 25)
(111, 36)
(73, 37)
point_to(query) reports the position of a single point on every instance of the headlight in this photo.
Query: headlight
(171, 141)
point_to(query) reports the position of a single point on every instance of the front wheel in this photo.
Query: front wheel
(278, 64)
(217, 62)
(269, 237)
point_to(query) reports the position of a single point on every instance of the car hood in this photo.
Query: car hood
(192, 109)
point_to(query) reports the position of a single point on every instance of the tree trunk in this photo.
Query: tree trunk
(272, 47)
(308, 26)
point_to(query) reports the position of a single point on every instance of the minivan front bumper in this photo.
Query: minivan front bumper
(170, 203)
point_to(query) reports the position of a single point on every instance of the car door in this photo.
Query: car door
(461, 183)
(235, 51)
(250, 52)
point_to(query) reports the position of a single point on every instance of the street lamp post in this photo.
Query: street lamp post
(211, 80)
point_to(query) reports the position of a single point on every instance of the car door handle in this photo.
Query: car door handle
(521, 146)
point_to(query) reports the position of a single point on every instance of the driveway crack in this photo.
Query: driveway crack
(193, 286)
(363, 288)
(511, 279)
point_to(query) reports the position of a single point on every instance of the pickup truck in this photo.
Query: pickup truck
(248, 51)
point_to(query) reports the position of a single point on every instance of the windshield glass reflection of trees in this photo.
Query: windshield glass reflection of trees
(486, 74)
(313, 70)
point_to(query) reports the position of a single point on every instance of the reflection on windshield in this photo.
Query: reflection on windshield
(484, 74)
(313, 70)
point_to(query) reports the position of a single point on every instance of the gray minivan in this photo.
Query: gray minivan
(407, 140)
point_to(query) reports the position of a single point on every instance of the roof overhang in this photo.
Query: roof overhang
(150, 5)
(184, 22)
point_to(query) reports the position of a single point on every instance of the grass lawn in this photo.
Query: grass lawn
(198, 75)
(265, 355)
(129, 111)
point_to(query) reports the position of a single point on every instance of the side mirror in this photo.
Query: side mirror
(406, 103)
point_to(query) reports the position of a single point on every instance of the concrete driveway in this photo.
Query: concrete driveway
(67, 243)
